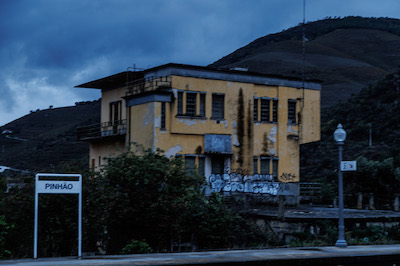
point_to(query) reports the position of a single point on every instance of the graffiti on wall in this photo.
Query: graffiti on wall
(288, 177)
(257, 184)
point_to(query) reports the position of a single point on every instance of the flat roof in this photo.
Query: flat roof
(120, 79)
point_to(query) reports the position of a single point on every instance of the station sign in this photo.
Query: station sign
(58, 187)
(348, 166)
(46, 183)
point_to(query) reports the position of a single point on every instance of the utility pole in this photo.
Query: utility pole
(370, 134)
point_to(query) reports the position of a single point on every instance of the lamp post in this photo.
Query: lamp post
(340, 137)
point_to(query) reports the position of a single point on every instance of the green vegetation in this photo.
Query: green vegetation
(135, 196)
(136, 247)
(378, 169)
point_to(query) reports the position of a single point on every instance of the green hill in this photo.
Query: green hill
(347, 54)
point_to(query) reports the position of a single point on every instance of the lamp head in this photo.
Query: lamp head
(340, 134)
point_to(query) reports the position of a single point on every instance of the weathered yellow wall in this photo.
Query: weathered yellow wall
(186, 135)
(311, 117)
(142, 124)
(101, 150)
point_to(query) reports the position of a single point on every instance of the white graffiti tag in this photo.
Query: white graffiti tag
(257, 184)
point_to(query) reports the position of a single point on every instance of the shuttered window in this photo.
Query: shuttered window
(191, 104)
(265, 105)
(180, 103)
(218, 106)
(275, 111)
(255, 111)
(265, 161)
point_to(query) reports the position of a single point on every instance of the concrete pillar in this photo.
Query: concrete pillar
(396, 203)
(371, 201)
(359, 200)
(281, 207)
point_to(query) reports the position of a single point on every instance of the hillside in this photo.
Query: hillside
(347, 54)
(44, 139)
(378, 165)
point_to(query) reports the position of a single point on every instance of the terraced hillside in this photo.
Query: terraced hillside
(347, 54)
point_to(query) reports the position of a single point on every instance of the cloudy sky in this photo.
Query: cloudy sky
(49, 46)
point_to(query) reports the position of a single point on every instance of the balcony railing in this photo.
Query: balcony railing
(102, 130)
(147, 84)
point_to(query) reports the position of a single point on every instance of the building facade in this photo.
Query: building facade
(241, 130)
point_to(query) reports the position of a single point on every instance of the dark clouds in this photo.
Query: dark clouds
(49, 46)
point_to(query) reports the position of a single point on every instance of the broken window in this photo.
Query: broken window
(292, 111)
(265, 105)
(218, 106)
(191, 103)
(203, 104)
(163, 115)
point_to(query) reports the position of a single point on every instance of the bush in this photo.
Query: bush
(136, 247)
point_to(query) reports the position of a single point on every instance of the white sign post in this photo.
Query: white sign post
(348, 166)
(58, 187)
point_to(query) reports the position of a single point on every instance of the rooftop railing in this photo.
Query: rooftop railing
(102, 130)
(147, 84)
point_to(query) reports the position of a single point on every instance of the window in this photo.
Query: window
(275, 167)
(255, 112)
(163, 115)
(202, 104)
(191, 103)
(115, 115)
(255, 165)
(265, 165)
(265, 103)
(190, 163)
(292, 112)
(115, 111)
(275, 111)
(202, 160)
(218, 106)
(180, 103)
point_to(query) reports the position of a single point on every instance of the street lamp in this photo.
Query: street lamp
(340, 137)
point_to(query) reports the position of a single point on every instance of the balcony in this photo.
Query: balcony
(149, 84)
(102, 130)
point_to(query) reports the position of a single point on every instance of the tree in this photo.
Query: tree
(143, 197)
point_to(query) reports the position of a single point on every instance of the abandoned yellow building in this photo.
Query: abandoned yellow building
(239, 129)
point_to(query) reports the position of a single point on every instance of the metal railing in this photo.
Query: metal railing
(147, 84)
(310, 190)
(102, 130)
